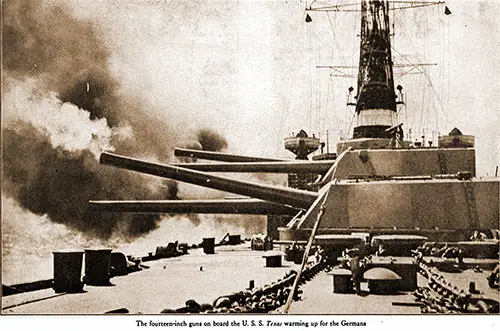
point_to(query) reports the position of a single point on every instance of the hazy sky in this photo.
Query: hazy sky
(247, 68)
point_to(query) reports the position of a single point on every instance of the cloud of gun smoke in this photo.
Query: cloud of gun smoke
(211, 141)
(62, 107)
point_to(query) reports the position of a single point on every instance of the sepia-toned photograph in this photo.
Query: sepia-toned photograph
(300, 157)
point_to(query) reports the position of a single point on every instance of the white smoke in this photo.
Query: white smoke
(66, 125)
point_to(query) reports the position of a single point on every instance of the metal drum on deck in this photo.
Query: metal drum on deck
(342, 281)
(273, 259)
(118, 264)
(404, 267)
(161, 251)
(68, 271)
(382, 280)
(298, 255)
(209, 245)
(97, 266)
(234, 239)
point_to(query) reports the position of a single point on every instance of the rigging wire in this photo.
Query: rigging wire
(318, 99)
(404, 32)
(422, 111)
(335, 45)
(441, 52)
(344, 139)
(436, 110)
(343, 59)
(448, 92)
(425, 97)
(281, 124)
(351, 59)
(441, 107)
(309, 61)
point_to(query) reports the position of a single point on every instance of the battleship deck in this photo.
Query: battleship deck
(169, 283)
(319, 299)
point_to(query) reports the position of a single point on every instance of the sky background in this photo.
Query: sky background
(142, 77)
(248, 68)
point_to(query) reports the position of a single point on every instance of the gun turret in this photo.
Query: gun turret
(282, 195)
(226, 206)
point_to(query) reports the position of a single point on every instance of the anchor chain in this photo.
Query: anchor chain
(444, 297)
(263, 299)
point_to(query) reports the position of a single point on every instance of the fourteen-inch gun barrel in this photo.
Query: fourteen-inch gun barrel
(282, 195)
(226, 206)
(309, 167)
(216, 156)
